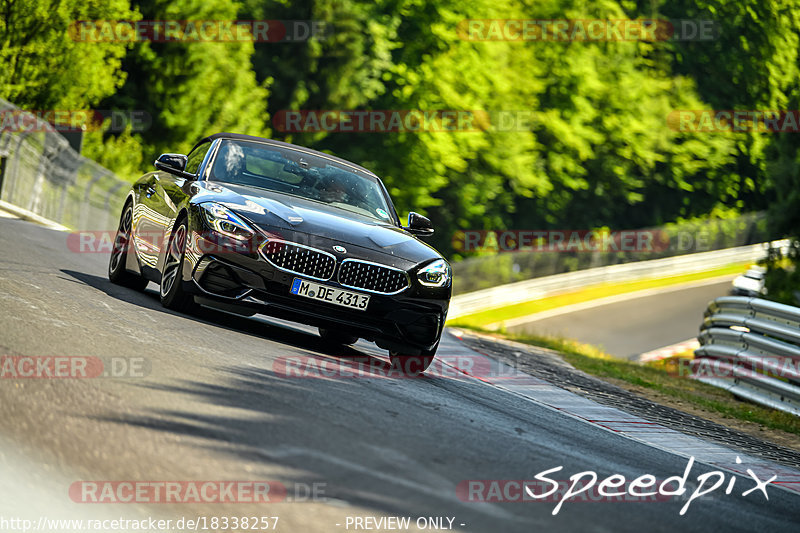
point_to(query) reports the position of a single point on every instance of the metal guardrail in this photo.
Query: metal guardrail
(751, 348)
(42, 174)
(532, 289)
(507, 261)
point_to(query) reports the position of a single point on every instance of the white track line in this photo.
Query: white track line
(30, 216)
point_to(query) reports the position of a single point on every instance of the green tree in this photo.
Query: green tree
(44, 66)
(190, 88)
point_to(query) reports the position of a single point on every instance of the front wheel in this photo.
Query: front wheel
(413, 365)
(173, 296)
(117, 272)
(337, 337)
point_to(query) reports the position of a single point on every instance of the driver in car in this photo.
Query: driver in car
(334, 188)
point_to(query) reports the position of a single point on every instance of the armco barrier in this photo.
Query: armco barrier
(513, 262)
(43, 175)
(532, 289)
(751, 347)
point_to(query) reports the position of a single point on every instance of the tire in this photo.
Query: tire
(413, 365)
(173, 296)
(337, 337)
(117, 273)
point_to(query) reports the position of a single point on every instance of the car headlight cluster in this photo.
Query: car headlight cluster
(226, 222)
(437, 274)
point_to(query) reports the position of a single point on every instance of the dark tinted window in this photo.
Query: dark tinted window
(299, 174)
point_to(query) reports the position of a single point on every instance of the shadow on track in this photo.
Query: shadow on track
(378, 443)
(322, 431)
(283, 334)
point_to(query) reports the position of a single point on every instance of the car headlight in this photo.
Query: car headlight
(225, 221)
(437, 274)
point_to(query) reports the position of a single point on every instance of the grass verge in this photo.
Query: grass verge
(664, 379)
(492, 316)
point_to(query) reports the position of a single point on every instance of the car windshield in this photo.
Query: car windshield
(299, 174)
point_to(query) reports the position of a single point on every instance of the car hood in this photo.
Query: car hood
(285, 215)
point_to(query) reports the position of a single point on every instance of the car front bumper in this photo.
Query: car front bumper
(239, 279)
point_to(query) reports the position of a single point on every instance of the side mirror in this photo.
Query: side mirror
(419, 225)
(174, 164)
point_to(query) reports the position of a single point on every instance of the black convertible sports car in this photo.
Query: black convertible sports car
(252, 225)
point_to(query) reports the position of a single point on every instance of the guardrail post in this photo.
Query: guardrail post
(2, 173)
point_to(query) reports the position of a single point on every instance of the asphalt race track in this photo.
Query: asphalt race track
(637, 325)
(208, 400)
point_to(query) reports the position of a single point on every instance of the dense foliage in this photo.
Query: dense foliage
(594, 149)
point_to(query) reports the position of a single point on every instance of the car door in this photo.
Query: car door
(148, 221)
(174, 191)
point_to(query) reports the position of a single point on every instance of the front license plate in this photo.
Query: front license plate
(332, 295)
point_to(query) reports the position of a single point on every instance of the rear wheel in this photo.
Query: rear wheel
(337, 337)
(117, 273)
(173, 296)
